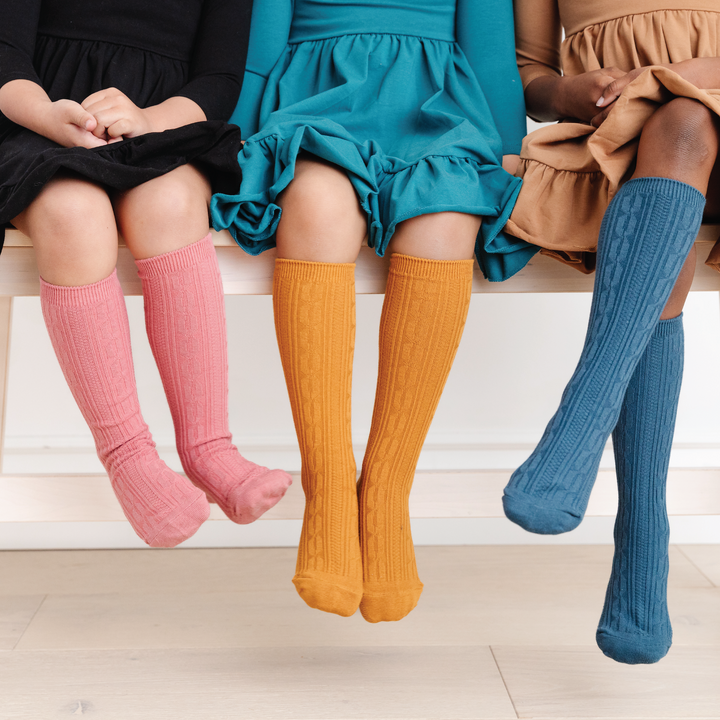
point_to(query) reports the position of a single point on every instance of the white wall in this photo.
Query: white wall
(516, 355)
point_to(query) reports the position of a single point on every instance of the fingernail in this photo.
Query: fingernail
(600, 102)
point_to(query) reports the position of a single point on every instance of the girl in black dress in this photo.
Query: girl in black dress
(112, 122)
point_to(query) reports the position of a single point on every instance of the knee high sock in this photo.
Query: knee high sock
(185, 320)
(89, 330)
(426, 304)
(635, 626)
(315, 323)
(646, 235)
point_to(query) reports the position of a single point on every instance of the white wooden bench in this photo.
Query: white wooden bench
(84, 498)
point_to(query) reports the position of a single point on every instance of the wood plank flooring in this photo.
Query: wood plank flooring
(500, 632)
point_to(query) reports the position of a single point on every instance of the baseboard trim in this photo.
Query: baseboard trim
(448, 495)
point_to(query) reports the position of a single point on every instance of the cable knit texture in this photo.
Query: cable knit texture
(185, 319)
(635, 625)
(89, 330)
(646, 235)
(315, 323)
(426, 304)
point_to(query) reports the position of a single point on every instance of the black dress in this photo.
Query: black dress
(150, 50)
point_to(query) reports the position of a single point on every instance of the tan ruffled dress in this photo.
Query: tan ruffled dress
(570, 170)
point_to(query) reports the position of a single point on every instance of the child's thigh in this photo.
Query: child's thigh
(165, 213)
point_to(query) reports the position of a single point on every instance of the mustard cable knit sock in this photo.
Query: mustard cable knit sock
(426, 304)
(315, 323)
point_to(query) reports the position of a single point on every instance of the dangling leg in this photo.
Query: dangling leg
(647, 233)
(73, 230)
(426, 304)
(318, 238)
(185, 319)
(635, 626)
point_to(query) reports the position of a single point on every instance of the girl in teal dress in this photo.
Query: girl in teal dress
(387, 121)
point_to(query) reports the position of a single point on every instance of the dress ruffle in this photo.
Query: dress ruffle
(571, 171)
(389, 191)
(404, 117)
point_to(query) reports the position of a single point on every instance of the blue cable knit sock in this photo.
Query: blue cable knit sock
(646, 234)
(635, 626)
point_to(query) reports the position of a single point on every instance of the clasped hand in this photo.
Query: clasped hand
(104, 117)
(590, 96)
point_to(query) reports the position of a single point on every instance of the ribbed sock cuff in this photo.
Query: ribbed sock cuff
(674, 189)
(431, 269)
(314, 271)
(671, 326)
(79, 295)
(176, 260)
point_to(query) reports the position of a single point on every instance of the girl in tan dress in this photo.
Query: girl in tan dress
(625, 174)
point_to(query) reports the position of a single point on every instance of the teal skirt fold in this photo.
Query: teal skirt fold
(404, 116)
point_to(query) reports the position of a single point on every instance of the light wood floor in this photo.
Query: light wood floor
(500, 632)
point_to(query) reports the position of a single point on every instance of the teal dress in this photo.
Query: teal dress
(417, 100)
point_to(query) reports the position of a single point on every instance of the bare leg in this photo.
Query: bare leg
(321, 218)
(680, 142)
(72, 228)
(164, 214)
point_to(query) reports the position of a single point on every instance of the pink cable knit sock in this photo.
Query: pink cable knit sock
(185, 318)
(88, 327)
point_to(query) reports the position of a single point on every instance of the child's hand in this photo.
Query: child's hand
(510, 163)
(68, 124)
(611, 93)
(117, 116)
(701, 72)
(579, 94)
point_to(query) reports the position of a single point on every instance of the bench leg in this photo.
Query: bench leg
(6, 306)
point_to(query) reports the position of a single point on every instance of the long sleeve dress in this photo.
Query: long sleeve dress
(151, 51)
(570, 170)
(417, 100)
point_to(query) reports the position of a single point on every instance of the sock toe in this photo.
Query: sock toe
(389, 602)
(535, 517)
(633, 649)
(183, 524)
(255, 497)
(242, 489)
(329, 593)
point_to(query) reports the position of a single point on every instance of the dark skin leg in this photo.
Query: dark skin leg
(680, 142)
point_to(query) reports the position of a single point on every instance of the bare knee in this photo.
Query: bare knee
(164, 214)
(438, 236)
(322, 220)
(69, 207)
(72, 227)
(680, 141)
